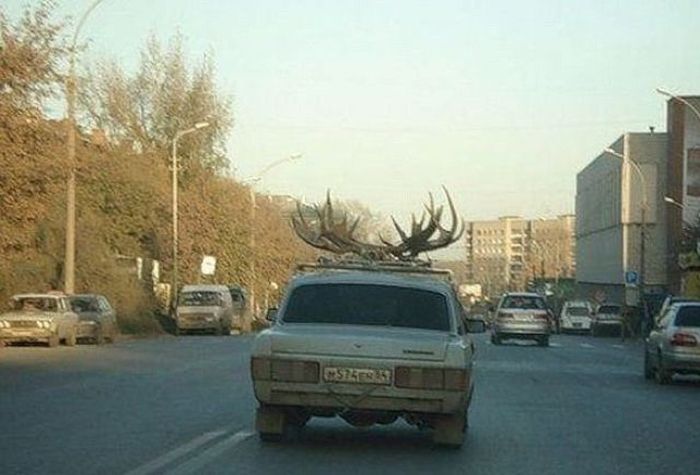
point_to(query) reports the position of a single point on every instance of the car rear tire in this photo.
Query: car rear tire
(648, 369)
(495, 339)
(450, 430)
(662, 375)
(543, 341)
(99, 338)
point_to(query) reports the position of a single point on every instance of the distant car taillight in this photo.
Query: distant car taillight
(289, 371)
(540, 316)
(683, 339)
(431, 378)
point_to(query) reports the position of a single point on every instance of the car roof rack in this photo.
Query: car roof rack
(415, 267)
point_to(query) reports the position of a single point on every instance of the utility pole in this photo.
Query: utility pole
(71, 86)
(175, 170)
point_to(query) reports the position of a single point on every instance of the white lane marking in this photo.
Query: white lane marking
(555, 345)
(163, 460)
(587, 345)
(195, 464)
(619, 346)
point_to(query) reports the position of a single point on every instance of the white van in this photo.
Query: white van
(204, 308)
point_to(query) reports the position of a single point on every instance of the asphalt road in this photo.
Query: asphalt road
(184, 405)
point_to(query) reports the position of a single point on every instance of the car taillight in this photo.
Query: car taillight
(540, 316)
(504, 316)
(683, 339)
(289, 371)
(430, 378)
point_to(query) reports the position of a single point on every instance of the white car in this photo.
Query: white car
(45, 318)
(370, 347)
(575, 317)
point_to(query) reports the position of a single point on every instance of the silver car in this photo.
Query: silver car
(98, 320)
(673, 346)
(521, 315)
(204, 308)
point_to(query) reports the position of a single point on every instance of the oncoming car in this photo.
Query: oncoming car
(370, 347)
(39, 318)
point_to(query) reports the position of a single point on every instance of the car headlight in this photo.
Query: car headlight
(4, 324)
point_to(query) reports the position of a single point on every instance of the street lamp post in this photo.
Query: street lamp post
(251, 181)
(175, 170)
(70, 84)
(680, 99)
(643, 226)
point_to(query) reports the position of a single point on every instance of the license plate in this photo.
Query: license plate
(357, 375)
(577, 325)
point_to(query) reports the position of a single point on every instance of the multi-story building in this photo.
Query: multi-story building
(504, 254)
(611, 219)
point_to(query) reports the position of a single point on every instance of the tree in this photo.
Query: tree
(164, 95)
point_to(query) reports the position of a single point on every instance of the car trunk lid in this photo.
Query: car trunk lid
(360, 342)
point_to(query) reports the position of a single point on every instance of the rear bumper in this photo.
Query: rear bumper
(339, 397)
(567, 325)
(198, 325)
(681, 361)
(515, 330)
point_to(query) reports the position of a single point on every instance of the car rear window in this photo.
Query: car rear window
(578, 311)
(523, 302)
(364, 304)
(688, 317)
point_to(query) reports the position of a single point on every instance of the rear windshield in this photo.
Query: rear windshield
(523, 302)
(360, 304)
(614, 309)
(577, 311)
(200, 299)
(688, 317)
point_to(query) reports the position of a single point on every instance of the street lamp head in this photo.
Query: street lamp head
(295, 156)
(664, 92)
(614, 152)
(201, 125)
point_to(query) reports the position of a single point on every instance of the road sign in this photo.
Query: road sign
(631, 277)
(208, 265)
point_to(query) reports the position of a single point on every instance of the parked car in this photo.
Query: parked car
(370, 347)
(668, 301)
(97, 318)
(42, 318)
(241, 305)
(608, 317)
(204, 308)
(673, 346)
(575, 316)
(521, 315)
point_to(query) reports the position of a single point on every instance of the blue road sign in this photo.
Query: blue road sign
(631, 277)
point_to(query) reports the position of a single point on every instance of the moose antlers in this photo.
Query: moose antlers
(327, 231)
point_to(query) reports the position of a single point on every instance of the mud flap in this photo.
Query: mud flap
(270, 420)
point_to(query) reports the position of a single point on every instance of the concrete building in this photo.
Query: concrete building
(609, 195)
(505, 253)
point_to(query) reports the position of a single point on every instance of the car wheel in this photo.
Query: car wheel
(178, 332)
(53, 341)
(99, 337)
(71, 339)
(543, 341)
(495, 339)
(662, 375)
(450, 430)
(648, 369)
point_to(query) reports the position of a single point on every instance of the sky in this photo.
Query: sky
(503, 102)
